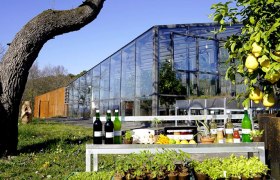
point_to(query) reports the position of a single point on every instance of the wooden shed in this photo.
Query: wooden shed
(50, 104)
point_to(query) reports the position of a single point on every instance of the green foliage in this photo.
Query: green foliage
(261, 26)
(49, 150)
(169, 84)
(256, 133)
(128, 135)
(231, 166)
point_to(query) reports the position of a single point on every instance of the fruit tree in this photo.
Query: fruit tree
(254, 54)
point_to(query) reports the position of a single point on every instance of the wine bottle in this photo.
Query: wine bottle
(109, 129)
(246, 127)
(213, 127)
(117, 128)
(229, 129)
(97, 129)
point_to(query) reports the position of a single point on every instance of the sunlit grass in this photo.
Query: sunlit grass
(49, 150)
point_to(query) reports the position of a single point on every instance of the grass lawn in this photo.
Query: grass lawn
(49, 150)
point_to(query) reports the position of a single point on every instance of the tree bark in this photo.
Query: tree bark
(20, 56)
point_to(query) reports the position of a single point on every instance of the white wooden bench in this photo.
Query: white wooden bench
(249, 148)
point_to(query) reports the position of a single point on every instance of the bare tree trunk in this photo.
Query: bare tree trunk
(20, 56)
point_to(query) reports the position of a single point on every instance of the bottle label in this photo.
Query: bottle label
(97, 133)
(109, 134)
(213, 131)
(221, 141)
(229, 131)
(117, 133)
(246, 131)
(236, 140)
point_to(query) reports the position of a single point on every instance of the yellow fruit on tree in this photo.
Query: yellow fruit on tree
(264, 61)
(277, 53)
(256, 95)
(251, 63)
(274, 78)
(268, 100)
(256, 49)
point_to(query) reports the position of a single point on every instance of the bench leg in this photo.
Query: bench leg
(95, 162)
(88, 164)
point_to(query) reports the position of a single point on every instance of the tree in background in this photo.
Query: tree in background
(44, 80)
(22, 53)
(170, 88)
(255, 53)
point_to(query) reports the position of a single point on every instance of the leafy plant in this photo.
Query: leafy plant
(128, 135)
(206, 131)
(254, 54)
(256, 133)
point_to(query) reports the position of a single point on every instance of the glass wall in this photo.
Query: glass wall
(181, 60)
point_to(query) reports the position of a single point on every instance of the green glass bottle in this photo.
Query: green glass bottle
(246, 127)
(229, 129)
(117, 128)
(213, 127)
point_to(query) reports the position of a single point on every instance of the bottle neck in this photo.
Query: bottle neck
(116, 115)
(97, 115)
(108, 117)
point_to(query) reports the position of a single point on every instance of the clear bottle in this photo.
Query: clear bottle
(229, 129)
(117, 128)
(109, 129)
(246, 127)
(220, 135)
(97, 129)
(213, 127)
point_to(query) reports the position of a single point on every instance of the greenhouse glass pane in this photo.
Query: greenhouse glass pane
(115, 76)
(104, 80)
(128, 72)
(207, 84)
(207, 56)
(144, 63)
(95, 87)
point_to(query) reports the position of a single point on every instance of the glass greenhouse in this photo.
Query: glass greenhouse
(146, 77)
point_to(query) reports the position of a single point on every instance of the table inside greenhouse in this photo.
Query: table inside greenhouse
(95, 150)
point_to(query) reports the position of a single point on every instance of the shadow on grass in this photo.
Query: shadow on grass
(51, 143)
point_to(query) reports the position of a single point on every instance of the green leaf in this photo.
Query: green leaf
(270, 1)
(274, 57)
(252, 19)
(232, 46)
(258, 37)
(217, 17)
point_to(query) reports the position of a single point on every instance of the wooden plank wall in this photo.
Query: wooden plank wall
(50, 104)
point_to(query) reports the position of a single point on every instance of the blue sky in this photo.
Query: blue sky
(119, 22)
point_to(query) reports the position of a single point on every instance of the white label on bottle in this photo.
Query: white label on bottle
(229, 131)
(97, 133)
(109, 134)
(221, 141)
(117, 133)
(246, 131)
(213, 131)
(236, 140)
(186, 137)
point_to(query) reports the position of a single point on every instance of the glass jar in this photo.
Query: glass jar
(236, 136)
(220, 135)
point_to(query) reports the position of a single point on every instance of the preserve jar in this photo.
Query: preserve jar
(236, 136)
